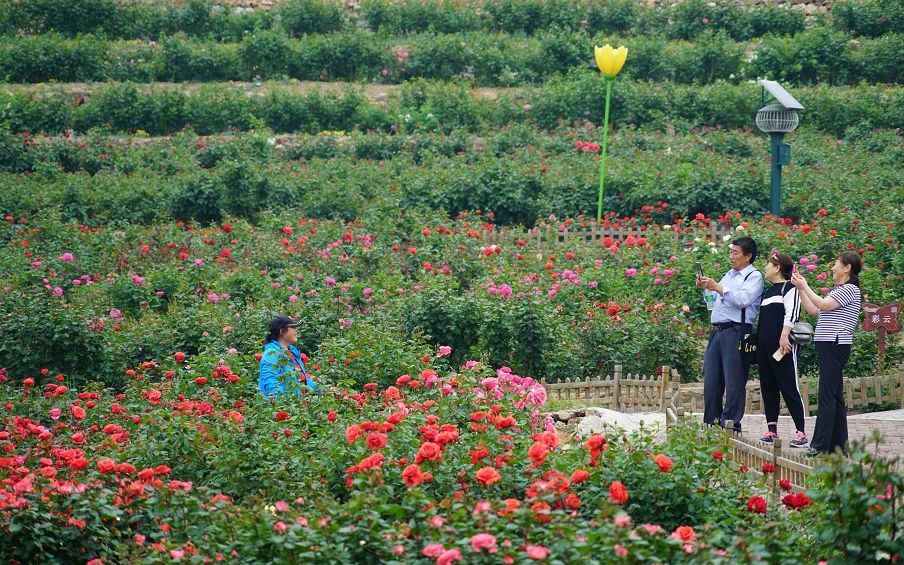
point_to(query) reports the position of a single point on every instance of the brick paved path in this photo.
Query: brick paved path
(860, 426)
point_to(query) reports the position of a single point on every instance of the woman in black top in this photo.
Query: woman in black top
(776, 354)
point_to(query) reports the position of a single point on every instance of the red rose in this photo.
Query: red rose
(106, 466)
(413, 476)
(352, 433)
(282, 416)
(331, 417)
(537, 453)
(145, 474)
(77, 412)
(505, 423)
(429, 451)
(663, 462)
(684, 533)
(717, 455)
(579, 476)
(79, 464)
(375, 440)
(618, 494)
(541, 511)
(179, 356)
(125, 468)
(371, 462)
(478, 454)
(487, 476)
(757, 504)
(201, 381)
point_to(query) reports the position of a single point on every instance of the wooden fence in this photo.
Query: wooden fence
(621, 392)
(640, 393)
(636, 393)
(790, 466)
(859, 394)
(546, 235)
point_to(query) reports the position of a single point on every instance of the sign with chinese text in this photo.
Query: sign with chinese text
(882, 320)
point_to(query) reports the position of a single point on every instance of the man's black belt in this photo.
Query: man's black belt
(725, 325)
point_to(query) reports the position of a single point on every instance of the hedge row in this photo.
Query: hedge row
(819, 55)
(520, 173)
(129, 20)
(433, 106)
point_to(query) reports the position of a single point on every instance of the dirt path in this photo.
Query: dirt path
(380, 94)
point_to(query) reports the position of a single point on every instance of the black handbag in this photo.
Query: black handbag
(747, 348)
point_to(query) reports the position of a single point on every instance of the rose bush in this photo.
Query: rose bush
(187, 461)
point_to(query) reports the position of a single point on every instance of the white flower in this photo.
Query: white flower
(740, 228)
(667, 227)
(726, 237)
(711, 243)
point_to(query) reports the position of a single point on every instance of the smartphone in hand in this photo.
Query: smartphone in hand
(699, 269)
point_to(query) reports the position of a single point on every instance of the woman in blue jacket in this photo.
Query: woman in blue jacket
(281, 368)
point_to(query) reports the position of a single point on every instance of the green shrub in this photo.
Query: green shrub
(200, 199)
(341, 56)
(879, 59)
(442, 16)
(210, 110)
(870, 18)
(820, 54)
(815, 56)
(124, 107)
(42, 331)
(267, 54)
(304, 17)
(63, 16)
(612, 17)
(50, 57)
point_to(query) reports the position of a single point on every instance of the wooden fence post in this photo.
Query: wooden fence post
(663, 386)
(776, 450)
(615, 389)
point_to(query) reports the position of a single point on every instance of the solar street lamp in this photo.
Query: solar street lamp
(777, 120)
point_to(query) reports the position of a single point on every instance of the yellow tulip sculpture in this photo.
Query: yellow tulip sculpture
(610, 62)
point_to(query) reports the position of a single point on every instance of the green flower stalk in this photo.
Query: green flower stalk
(610, 61)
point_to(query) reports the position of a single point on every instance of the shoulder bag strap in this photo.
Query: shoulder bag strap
(744, 309)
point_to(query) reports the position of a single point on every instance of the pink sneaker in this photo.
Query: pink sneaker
(769, 437)
(800, 440)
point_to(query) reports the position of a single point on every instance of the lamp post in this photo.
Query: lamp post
(777, 120)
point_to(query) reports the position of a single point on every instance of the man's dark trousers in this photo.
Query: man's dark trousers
(724, 373)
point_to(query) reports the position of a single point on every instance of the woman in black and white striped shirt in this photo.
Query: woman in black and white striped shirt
(838, 315)
(776, 354)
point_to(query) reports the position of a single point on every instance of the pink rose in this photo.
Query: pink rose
(483, 542)
(537, 552)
